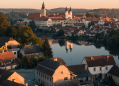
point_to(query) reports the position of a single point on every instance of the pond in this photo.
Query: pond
(75, 55)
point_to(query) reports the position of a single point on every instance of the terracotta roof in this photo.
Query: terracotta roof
(43, 18)
(114, 71)
(33, 15)
(102, 60)
(6, 55)
(57, 18)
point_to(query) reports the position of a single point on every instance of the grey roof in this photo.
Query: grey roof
(35, 48)
(114, 71)
(48, 66)
(4, 39)
(62, 62)
(66, 83)
(84, 75)
(78, 69)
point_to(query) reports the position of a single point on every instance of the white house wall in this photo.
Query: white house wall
(98, 71)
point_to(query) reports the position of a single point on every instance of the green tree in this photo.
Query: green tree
(26, 34)
(60, 33)
(11, 32)
(3, 24)
(32, 24)
(47, 49)
(36, 40)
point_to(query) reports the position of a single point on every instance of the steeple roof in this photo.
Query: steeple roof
(43, 5)
(66, 9)
(70, 9)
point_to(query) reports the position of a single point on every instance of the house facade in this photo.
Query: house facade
(11, 79)
(99, 65)
(50, 71)
(8, 60)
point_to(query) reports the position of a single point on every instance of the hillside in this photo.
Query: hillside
(108, 12)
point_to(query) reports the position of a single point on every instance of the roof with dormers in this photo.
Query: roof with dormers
(102, 60)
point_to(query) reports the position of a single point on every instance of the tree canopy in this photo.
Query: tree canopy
(47, 49)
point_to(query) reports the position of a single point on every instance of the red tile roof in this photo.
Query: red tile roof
(57, 18)
(103, 60)
(43, 18)
(6, 55)
(33, 15)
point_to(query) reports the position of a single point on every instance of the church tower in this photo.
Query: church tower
(70, 12)
(43, 10)
(66, 13)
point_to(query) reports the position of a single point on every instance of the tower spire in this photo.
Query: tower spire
(66, 9)
(70, 9)
(43, 5)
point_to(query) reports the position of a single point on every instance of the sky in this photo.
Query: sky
(50, 4)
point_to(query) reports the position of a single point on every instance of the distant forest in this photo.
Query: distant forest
(108, 12)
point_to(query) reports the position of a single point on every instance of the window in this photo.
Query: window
(50, 79)
(45, 76)
(65, 78)
(62, 72)
(94, 69)
(39, 80)
(39, 73)
(14, 53)
(100, 68)
(106, 68)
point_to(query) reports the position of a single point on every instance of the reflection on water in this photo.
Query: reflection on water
(73, 53)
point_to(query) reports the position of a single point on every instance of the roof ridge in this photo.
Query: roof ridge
(46, 67)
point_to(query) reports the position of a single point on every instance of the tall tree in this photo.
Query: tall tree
(11, 32)
(3, 24)
(47, 49)
(32, 25)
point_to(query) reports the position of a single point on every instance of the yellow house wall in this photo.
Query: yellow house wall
(17, 78)
(57, 76)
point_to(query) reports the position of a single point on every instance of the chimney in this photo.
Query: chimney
(6, 46)
(55, 59)
(86, 67)
(107, 58)
(92, 58)
(2, 50)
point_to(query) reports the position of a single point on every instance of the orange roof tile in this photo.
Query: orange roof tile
(33, 15)
(7, 55)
